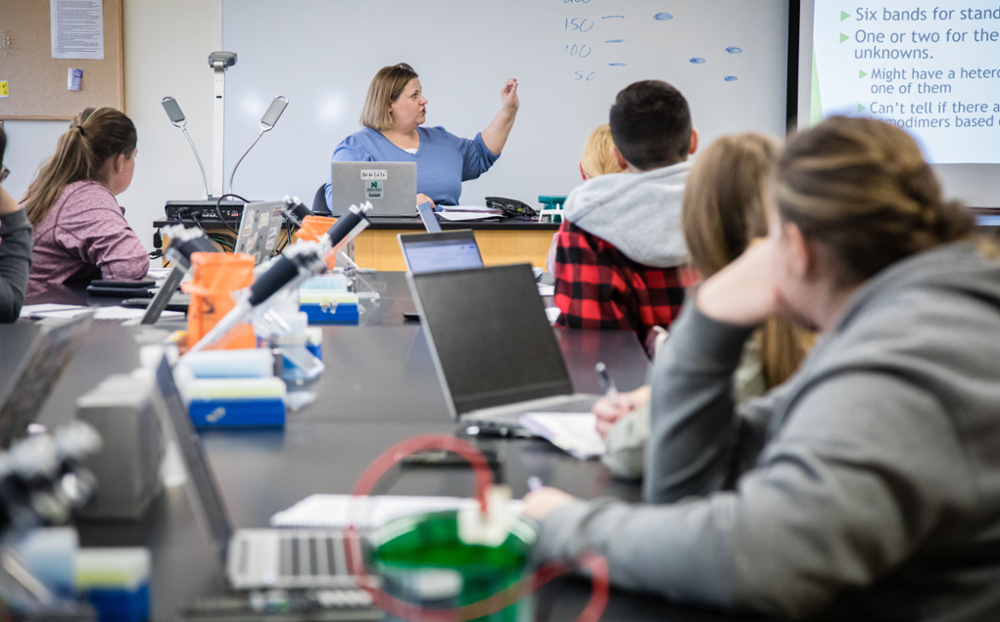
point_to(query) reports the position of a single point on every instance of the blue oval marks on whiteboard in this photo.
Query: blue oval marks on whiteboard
(697, 61)
(730, 78)
(663, 17)
(734, 50)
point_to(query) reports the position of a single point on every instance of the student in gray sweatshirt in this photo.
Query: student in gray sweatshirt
(867, 487)
(15, 248)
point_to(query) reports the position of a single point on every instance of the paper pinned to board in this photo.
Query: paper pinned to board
(574, 433)
(77, 28)
(333, 511)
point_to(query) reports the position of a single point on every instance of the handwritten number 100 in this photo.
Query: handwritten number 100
(583, 51)
(581, 24)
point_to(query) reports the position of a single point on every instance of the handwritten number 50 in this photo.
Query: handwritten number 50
(583, 75)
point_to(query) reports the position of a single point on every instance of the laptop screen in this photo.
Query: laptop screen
(49, 354)
(437, 252)
(205, 490)
(489, 336)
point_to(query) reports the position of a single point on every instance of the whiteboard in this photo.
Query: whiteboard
(570, 58)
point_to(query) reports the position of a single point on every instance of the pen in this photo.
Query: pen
(535, 483)
(606, 383)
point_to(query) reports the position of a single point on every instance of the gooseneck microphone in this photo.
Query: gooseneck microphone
(177, 118)
(267, 122)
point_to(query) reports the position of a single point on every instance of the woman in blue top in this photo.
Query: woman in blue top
(394, 110)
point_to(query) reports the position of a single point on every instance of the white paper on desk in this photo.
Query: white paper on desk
(546, 290)
(331, 511)
(122, 313)
(553, 314)
(468, 208)
(77, 28)
(463, 216)
(158, 274)
(51, 310)
(574, 433)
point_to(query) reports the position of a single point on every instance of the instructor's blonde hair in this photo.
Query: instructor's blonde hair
(385, 88)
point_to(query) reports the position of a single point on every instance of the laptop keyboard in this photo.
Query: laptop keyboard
(313, 556)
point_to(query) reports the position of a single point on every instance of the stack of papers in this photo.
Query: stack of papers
(574, 433)
(43, 311)
(334, 511)
(457, 213)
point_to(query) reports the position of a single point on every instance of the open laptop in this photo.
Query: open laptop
(436, 252)
(259, 230)
(390, 186)
(494, 351)
(32, 382)
(252, 558)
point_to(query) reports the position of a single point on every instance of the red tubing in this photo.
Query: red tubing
(596, 564)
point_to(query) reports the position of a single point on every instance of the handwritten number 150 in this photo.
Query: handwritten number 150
(580, 24)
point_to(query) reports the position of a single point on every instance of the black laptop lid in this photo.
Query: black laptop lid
(207, 499)
(492, 342)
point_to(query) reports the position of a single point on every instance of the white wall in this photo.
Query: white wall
(166, 53)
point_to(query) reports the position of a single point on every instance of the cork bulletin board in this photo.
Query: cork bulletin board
(37, 83)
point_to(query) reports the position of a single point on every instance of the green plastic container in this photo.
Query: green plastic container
(421, 561)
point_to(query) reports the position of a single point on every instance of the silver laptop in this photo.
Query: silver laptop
(436, 252)
(494, 351)
(252, 558)
(259, 230)
(390, 186)
(32, 382)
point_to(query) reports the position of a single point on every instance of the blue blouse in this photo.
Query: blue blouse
(443, 160)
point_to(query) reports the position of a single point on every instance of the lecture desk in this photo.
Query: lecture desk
(500, 242)
(379, 388)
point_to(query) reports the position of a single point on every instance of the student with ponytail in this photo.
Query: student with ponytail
(867, 486)
(80, 230)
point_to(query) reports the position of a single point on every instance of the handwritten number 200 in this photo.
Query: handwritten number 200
(583, 51)
(583, 75)
(581, 24)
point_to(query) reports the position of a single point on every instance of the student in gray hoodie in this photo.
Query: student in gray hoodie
(618, 255)
(867, 487)
(15, 248)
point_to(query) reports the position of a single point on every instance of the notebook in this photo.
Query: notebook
(493, 349)
(251, 558)
(435, 252)
(391, 187)
(41, 367)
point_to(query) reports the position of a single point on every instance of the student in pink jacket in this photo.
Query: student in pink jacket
(80, 230)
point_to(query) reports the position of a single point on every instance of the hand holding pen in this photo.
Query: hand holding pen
(614, 405)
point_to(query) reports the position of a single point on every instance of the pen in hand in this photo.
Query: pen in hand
(606, 383)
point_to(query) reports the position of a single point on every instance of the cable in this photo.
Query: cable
(218, 209)
(233, 174)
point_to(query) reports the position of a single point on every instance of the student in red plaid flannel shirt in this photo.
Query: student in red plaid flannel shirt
(620, 252)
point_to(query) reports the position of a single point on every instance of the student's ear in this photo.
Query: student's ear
(803, 255)
(694, 141)
(619, 158)
(118, 163)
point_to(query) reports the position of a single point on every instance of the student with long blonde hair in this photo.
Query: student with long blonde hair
(80, 230)
(867, 487)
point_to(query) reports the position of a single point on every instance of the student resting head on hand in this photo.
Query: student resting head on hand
(393, 114)
(15, 248)
(80, 230)
(867, 485)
